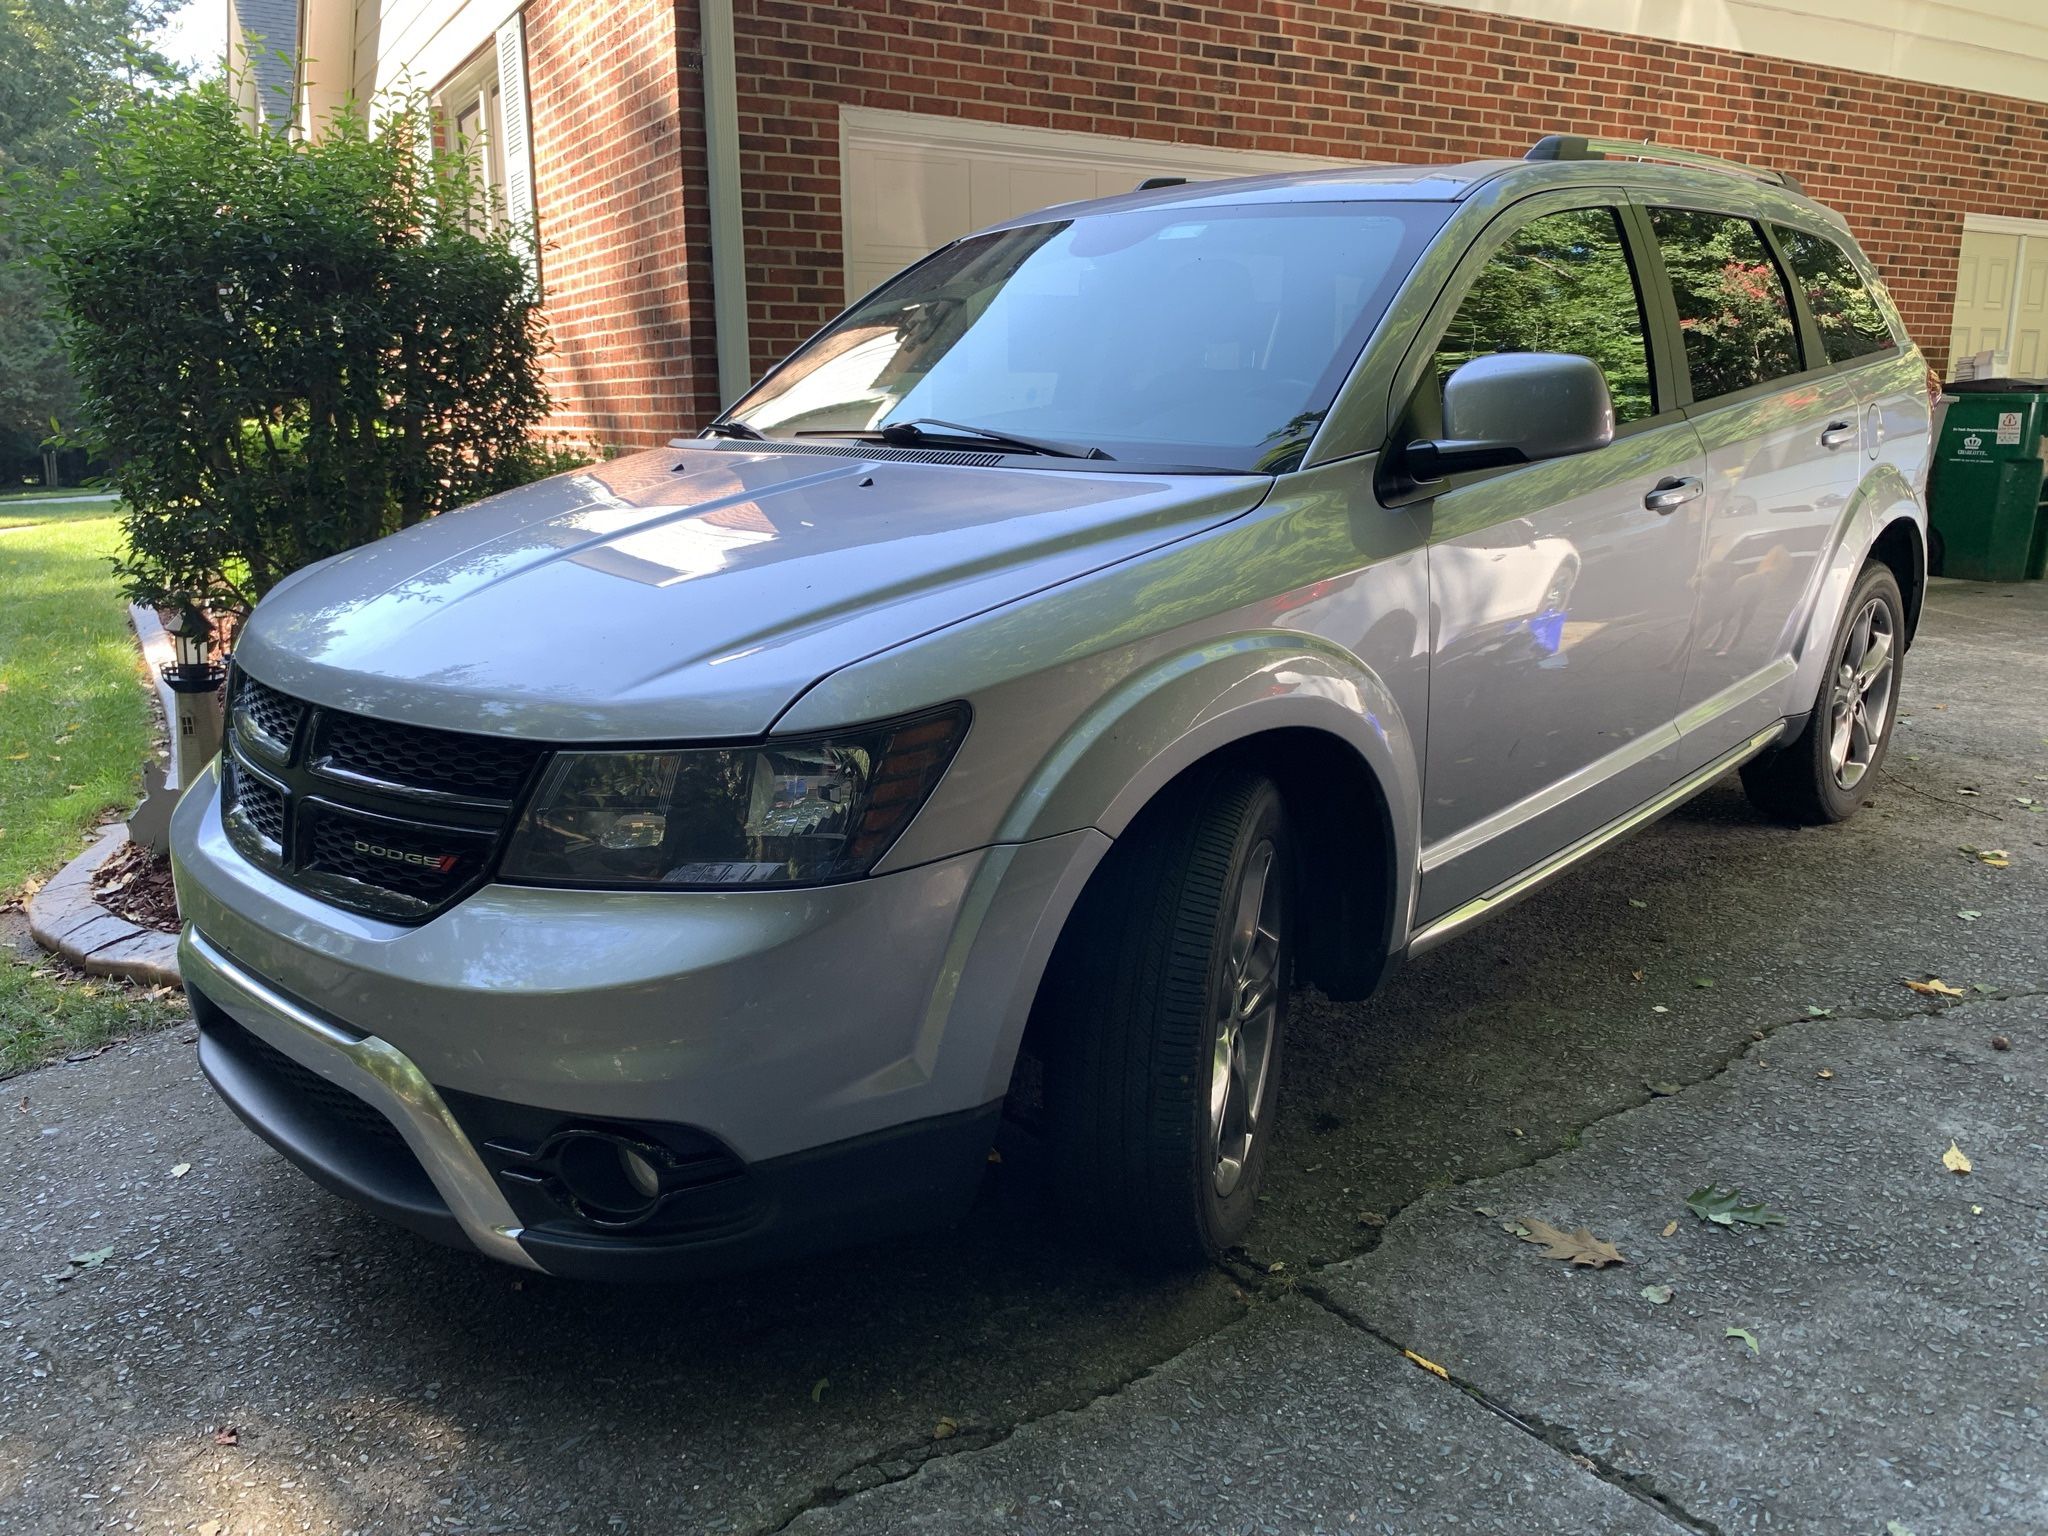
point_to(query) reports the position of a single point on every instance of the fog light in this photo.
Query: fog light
(641, 1174)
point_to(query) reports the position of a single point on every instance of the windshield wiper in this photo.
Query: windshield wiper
(907, 434)
(734, 429)
(913, 431)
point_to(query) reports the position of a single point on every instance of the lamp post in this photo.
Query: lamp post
(194, 679)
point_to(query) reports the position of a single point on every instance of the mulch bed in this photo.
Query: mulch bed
(136, 884)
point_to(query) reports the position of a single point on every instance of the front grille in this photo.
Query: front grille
(393, 821)
(274, 717)
(260, 803)
(438, 762)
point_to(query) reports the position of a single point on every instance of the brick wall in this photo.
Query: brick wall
(1370, 78)
(619, 189)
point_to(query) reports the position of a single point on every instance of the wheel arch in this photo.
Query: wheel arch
(1884, 521)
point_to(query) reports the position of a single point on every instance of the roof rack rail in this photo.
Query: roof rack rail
(1577, 146)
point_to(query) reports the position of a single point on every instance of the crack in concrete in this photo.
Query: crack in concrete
(1561, 1438)
(915, 1455)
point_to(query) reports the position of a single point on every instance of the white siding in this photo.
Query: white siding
(1995, 46)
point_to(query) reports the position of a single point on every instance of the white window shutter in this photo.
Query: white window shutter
(515, 134)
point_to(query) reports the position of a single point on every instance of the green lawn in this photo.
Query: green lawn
(74, 727)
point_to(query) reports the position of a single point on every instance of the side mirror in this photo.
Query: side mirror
(1517, 408)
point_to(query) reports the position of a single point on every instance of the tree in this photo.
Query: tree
(64, 64)
(288, 348)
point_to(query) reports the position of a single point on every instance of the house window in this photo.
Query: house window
(470, 113)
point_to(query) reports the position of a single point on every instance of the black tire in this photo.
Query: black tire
(1799, 783)
(1136, 992)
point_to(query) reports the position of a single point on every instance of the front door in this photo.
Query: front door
(1561, 600)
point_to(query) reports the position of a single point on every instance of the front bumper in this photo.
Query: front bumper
(848, 1046)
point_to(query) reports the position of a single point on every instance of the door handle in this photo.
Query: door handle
(1838, 434)
(1671, 493)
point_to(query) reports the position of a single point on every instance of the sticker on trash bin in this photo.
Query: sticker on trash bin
(1973, 443)
(2008, 426)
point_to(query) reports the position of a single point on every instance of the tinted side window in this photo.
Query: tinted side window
(1732, 307)
(1562, 283)
(1851, 324)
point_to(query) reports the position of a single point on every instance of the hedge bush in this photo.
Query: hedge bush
(289, 348)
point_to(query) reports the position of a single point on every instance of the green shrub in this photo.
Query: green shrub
(288, 348)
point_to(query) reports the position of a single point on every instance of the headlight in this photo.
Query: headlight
(780, 813)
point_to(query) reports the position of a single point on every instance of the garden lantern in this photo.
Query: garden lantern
(194, 679)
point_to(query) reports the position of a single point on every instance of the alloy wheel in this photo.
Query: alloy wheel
(1249, 1016)
(1860, 704)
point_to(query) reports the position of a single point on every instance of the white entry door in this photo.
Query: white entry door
(2002, 294)
(911, 182)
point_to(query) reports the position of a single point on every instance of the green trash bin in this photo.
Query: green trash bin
(1984, 488)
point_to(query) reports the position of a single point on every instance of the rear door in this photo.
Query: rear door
(1560, 602)
(1782, 436)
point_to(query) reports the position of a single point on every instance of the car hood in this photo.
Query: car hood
(696, 591)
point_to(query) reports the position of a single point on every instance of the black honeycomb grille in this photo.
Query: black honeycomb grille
(393, 821)
(276, 715)
(261, 805)
(341, 847)
(440, 762)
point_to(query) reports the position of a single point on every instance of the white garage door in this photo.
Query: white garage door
(911, 182)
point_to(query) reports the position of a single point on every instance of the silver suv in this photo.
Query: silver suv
(1126, 612)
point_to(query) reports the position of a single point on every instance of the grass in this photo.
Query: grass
(74, 729)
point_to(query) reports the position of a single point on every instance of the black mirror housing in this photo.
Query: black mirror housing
(1517, 408)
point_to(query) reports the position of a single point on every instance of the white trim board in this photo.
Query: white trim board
(2003, 224)
(1995, 47)
(921, 130)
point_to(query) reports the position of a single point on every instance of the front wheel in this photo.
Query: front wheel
(1169, 994)
(1823, 774)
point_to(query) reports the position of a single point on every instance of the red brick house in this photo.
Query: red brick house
(711, 179)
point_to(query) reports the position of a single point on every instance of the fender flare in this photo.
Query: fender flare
(1884, 500)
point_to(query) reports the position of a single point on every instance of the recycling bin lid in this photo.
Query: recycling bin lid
(1996, 386)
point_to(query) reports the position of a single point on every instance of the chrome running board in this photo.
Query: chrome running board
(1479, 908)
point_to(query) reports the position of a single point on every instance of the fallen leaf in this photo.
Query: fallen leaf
(1976, 1210)
(1826, 1074)
(1581, 1248)
(1656, 1295)
(211, 1528)
(1635, 975)
(1634, 903)
(1893, 1528)
(1982, 986)
(1658, 1008)
(1372, 1219)
(227, 1435)
(1724, 1208)
(1276, 1266)
(1670, 1227)
(818, 1388)
(1997, 858)
(1969, 915)
(1703, 981)
(1818, 1013)
(1664, 1090)
(92, 1260)
(1968, 791)
(1428, 1365)
(179, 1170)
(1746, 1336)
(945, 1429)
(1934, 986)
(1955, 1160)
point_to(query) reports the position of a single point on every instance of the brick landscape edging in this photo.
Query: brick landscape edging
(64, 918)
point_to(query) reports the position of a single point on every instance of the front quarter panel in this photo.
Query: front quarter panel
(1309, 612)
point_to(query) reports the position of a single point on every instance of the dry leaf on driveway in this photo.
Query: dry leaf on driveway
(1955, 1160)
(1580, 1248)
(1934, 986)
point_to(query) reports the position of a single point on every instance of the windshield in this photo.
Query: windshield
(1198, 336)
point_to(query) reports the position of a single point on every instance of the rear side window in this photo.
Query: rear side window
(1732, 308)
(1850, 322)
(1562, 283)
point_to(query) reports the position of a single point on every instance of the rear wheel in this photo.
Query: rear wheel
(1826, 771)
(1170, 1000)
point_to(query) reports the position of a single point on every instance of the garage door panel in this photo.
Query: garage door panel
(912, 182)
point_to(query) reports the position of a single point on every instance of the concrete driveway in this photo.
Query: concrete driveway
(1719, 1000)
